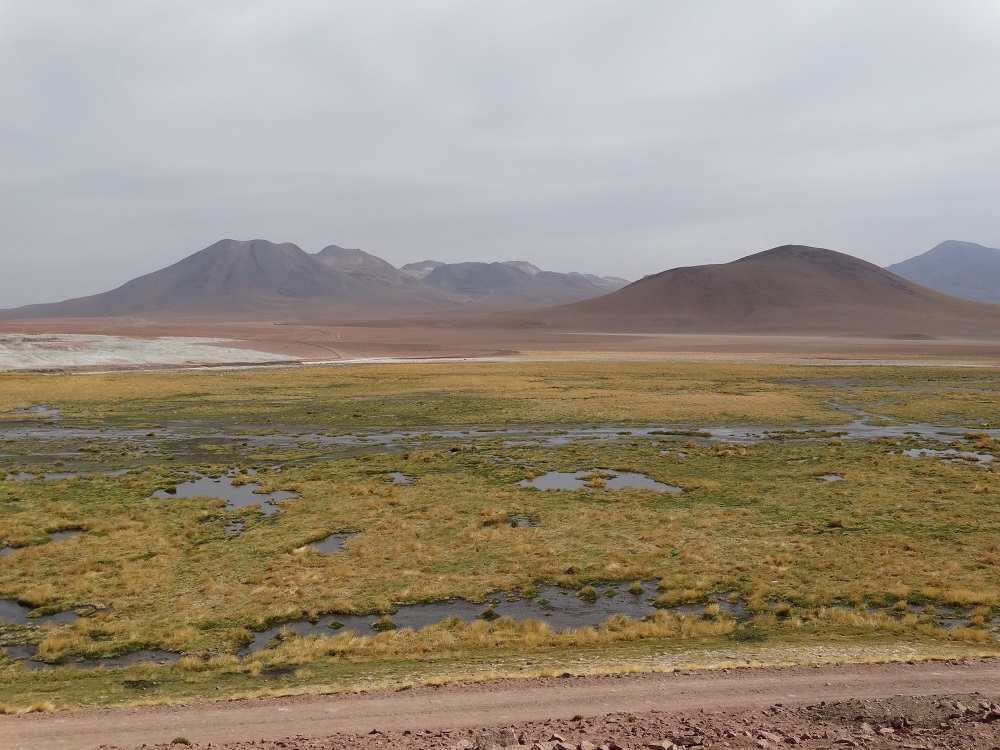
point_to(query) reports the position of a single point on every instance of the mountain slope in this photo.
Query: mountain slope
(789, 289)
(360, 263)
(258, 279)
(511, 284)
(228, 277)
(962, 269)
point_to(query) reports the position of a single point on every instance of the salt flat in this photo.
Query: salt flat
(27, 352)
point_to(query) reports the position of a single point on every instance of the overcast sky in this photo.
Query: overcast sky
(620, 137)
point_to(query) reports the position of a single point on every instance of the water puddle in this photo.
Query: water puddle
(54, 476)
(55, 536)
(560, 607)
(25, 655)
(596, 479)
(13, 613)
(41, 410)
(62, 536)
(950, 455)
(235, 495)
(333, 543)
(830, 477)
(399, 477)
(522, 522)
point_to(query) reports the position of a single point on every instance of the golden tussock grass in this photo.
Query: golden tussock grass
(753, 521)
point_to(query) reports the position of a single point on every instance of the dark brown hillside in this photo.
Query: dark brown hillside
(785, 290)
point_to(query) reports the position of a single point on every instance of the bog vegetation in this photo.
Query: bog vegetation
(899, 553)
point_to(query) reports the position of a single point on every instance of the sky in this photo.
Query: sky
(620, 137)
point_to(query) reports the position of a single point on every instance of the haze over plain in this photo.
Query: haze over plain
(616, 139)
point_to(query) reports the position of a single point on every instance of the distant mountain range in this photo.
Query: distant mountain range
(786, 290)
(962, 269)
(260, 279)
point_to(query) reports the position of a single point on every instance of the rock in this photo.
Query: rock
(495, 739)
(586, 746)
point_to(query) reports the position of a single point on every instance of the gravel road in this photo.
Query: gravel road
(438, 714)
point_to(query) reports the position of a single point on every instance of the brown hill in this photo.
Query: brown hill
(256, 277)
(258, 280)
(362, 264)
(785, 290)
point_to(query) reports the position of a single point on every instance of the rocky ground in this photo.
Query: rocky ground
(945, 721)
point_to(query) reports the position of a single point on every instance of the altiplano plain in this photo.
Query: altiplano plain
(361, 505)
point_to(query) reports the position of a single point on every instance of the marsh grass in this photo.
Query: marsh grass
(461, 393)
(752, 520)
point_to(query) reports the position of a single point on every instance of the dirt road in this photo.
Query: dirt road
(501, 702)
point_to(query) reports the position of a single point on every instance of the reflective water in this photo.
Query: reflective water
(830, 477)
(53, 476)
(612, 480)
(951, 455)
(400, 478)
(561, 608)
(236, 496)
(13, 613)
(333, 543)
(44, 410)
(558, 606)
(62, 536)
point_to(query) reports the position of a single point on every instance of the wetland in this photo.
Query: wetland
(411, 519)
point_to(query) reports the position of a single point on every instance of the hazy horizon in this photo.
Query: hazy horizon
(614, 139)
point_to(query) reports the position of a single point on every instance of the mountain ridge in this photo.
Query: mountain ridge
(961, 269)
(791, 289)
(258, 278)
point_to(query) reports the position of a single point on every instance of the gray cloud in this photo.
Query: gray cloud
(609, 137)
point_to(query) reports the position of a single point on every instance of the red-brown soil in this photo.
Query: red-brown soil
(920, 705)
(332, 339)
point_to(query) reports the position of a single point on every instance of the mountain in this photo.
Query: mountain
(360, 263)
(227, 277)
(257, 279)
(962, 269)
(509, 284)
(421, 268)
(785, 290)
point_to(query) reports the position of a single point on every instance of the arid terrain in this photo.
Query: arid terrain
(918, 705)
(334, 341)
